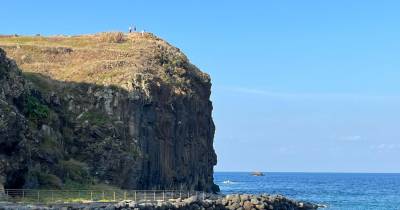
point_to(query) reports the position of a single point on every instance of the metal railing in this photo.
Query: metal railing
(86, 196)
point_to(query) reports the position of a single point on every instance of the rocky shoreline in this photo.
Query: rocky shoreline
(218, 202)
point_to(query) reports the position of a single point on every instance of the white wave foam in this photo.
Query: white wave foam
(228, 182)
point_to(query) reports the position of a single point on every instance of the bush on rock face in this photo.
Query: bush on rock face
(45, 180)
(50, 148)
(49, 181)
(34, 109)
(73, 170)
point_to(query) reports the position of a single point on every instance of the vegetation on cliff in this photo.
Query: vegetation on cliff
(123, 110)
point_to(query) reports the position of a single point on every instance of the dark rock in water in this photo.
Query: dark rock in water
(138, 118)
(257, 174)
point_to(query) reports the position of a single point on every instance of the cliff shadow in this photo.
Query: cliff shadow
(80, 134)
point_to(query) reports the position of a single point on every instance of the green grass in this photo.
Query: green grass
(73, 185)
(67, 196)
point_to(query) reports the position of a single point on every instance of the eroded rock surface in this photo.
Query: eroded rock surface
(136, 115)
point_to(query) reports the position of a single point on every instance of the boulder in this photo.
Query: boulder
(244, 197)
(191, 199)
(260, 206)
(235, 198)
(247, 205)
(233, 206)
(195, 206)
(255, 201)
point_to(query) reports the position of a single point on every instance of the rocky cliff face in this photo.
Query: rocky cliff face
(86, 110)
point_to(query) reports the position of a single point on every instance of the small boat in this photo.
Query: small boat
(257, 173)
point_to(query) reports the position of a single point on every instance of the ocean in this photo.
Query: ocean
(336, 190)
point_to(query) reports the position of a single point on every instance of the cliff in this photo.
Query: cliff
(124, 110)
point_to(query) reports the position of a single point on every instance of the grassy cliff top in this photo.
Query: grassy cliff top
(111, 58)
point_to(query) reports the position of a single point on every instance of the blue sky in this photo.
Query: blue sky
(297, 85)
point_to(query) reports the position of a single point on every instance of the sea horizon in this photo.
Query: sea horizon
(316, 172)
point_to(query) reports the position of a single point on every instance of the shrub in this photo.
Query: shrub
(74, 170)
(49, 181)
(112, 37)
(50, 147)
(39, 81)
(37, 178)
(35, 110)
(178, 61)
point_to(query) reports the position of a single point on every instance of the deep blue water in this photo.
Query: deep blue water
(337, 190)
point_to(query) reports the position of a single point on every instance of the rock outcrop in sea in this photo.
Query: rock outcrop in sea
(128, 111)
